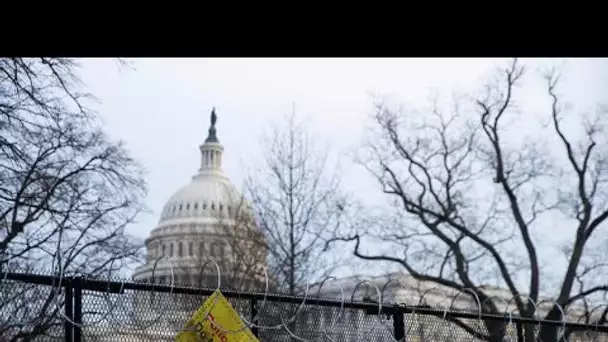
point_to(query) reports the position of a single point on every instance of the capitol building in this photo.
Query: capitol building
(205, 225)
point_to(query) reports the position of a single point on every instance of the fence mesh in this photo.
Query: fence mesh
(31, 311)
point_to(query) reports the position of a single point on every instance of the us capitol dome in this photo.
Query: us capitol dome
(206, 220)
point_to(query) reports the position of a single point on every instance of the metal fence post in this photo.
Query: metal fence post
(68, 310)
(399, 325)
(520, 332)
(77, 308)
(254, 312)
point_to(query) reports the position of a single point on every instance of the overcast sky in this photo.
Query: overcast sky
(161, 109)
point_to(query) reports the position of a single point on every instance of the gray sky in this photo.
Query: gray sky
(161, 109)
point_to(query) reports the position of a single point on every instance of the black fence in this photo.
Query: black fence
(75, 309)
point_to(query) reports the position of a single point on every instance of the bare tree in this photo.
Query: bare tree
(471, 189)
(67, 192)
(244, 248)
(297, 205)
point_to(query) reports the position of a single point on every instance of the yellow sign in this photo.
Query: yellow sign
(200, 329)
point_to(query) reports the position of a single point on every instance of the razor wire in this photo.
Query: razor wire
(445, 323)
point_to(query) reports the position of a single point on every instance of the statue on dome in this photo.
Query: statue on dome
(212, 137)
(213, 117)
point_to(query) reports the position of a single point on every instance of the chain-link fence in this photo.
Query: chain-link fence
(74, 309)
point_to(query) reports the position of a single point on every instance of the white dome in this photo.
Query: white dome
(204, 196)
